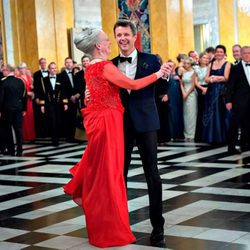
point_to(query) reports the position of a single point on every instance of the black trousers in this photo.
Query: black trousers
(40, 123)
(2, 142)
(53, 120)
(147, 145)
(240, 119)
(13, 118)
(69, 120)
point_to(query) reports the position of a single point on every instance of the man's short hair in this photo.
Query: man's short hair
(51, 64)
(126, 23)
(86, 56)
(210, 50)
(41, 59)
(67, 58)
(9, 67)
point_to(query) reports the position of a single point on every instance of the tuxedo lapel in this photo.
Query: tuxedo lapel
(242, 72)
(139, 65)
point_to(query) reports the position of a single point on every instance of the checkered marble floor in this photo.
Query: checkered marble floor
(206, 199)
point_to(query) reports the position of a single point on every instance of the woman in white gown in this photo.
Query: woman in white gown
(189, 100)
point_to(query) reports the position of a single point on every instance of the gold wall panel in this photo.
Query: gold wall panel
(226, 25)
(243, 28)
(109, 12)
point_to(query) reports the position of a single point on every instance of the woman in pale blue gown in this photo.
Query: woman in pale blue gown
(216, 118)
(189, 95)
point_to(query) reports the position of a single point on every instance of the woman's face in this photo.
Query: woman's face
(187, 65)
(22, 71)
(104, 43)
(204, 60)
(219, 54)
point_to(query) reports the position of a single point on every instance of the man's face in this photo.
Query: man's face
(53, 69)
(85, 62)
(246, 55)
(68, 64)
(194, 56)
(5, 71)
(43, 64)
(236, 53)
(125, 39)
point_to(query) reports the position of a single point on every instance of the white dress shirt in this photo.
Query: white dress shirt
(53, 81)
(70, 77)
(247, 70)
(44, 73)
(129, 69)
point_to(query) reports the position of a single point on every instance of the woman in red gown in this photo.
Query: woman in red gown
(98, 182)
(28, 119)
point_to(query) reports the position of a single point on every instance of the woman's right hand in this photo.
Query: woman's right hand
(165, 70)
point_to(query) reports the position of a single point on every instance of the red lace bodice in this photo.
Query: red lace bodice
(103, 94)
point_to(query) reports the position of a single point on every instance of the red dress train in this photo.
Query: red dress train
(98, 183)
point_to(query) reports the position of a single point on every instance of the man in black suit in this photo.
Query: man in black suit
(238, 100)
(53, 102)
(72, 92)
(80, 78)
(13, 103)
(41, 130)
(236, 50)
(141, 120)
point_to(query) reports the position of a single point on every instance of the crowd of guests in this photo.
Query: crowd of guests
(193, 107)
(43, 104)
(207, 101)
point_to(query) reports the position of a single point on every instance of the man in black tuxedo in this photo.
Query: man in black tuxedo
(72, 91)
(41, 130)
(53, 102)
(141, 120)
(236, 50)
(238, 100)
(13, 104)
(81, 80)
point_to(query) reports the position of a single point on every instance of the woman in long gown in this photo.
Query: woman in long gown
(28, 120)
(175, 107)
(98, 182)
(189, 100)
(201, 87)
(216, 118)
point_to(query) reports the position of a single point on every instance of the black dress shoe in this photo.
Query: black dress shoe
(9, 153)
(245, 148)
(233, 151)
(157, 239)
(19, 153)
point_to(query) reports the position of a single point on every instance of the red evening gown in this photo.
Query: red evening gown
(28, 120)
(98, 183)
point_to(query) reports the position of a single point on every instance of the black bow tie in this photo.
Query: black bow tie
(45, 71)
(247, 64)
(124, 59)
(70, 72)
(235, 62)
(52, 77)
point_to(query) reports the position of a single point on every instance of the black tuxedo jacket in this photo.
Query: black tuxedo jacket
(68, 88)
(13, 94)
(140, 104)
(49, 96)
(37, 77)
(238, 88)
(81, 84)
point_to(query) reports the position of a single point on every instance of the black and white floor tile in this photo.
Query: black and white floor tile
(206, 199)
